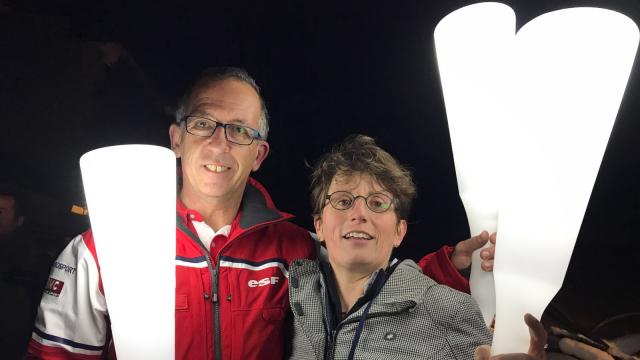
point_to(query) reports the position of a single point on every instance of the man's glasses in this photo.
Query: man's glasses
(344, 200)
(237, 134)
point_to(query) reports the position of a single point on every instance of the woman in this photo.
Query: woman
(356, 304)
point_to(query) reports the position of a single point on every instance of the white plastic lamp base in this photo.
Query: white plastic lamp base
(131, 196)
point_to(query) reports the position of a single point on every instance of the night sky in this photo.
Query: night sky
(327, 69)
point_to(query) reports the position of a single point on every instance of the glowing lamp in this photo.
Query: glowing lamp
(565, 81)
(571, 68)
(473, 45)
(131, 196)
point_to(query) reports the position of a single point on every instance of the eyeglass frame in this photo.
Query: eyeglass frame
(365, 198)
(255, 136)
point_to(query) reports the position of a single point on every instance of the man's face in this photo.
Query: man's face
(214, 169)
(8, 219)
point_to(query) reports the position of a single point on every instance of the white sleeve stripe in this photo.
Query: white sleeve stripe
(202, 264)
(241, 265)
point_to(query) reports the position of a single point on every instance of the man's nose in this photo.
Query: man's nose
(218, 137)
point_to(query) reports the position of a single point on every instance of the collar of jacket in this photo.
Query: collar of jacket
(370, 290)
(395, 295)
(257, 208)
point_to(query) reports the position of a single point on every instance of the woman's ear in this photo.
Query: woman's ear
(401, 231)
(317, 223)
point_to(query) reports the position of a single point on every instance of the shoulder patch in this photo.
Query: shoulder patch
(53, 287)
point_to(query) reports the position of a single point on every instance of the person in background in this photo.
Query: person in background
(23, 269)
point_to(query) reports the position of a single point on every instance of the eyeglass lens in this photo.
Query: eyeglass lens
(205, 127)
(343, 200)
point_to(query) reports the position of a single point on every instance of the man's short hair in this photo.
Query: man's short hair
(213, 74)
(359, 154)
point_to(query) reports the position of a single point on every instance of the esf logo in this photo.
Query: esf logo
(54, 287)
(264, 282)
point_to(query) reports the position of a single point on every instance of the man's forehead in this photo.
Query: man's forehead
(230, 93)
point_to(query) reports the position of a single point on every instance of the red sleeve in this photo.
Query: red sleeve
(38, 351)
(438, 266)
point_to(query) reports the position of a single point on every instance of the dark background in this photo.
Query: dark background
(327, 69)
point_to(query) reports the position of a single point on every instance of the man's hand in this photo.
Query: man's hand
(536, 344)
(461, 257)
(582, 351)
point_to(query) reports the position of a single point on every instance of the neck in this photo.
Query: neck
(350, 285)
(216, 212)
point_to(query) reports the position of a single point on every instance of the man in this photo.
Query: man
(11, 215)
(230, 238)
(233, 246)
(23, 269)
(15, 305)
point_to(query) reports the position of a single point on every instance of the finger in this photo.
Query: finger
(488, 253)
(538, 336)
(487, 265)
(482, 352)
(513, 357)
(582, 351)
(493, 238)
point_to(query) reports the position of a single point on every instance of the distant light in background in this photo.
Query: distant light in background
(131, 196)
(568, 74)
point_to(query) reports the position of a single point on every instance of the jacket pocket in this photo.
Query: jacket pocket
(258, 333)
(182, 302)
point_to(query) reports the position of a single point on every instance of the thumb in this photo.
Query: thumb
(538, 336)
(473, 243)
(482, 352)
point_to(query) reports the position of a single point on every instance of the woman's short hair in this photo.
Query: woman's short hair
(359, 154)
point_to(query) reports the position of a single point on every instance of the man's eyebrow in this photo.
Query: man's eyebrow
(203, 114)
(239, 121)
(207, 115)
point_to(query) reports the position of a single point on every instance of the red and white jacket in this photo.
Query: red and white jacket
(229, 305)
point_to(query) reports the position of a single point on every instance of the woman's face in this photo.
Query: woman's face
(359, 239)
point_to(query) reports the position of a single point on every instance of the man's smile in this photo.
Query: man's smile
(217, 168)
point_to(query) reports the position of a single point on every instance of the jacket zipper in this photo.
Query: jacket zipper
(214, 287)
(217, 340)
(213, 296)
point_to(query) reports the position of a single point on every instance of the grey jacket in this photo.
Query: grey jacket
(412, 317)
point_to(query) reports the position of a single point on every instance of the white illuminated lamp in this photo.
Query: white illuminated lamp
(571, 68)
(473, 46)
(131, 196)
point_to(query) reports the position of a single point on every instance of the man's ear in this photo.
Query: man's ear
(20, 220)
(175, 137)
(317, 223)
(263, 151)
(401, 231)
